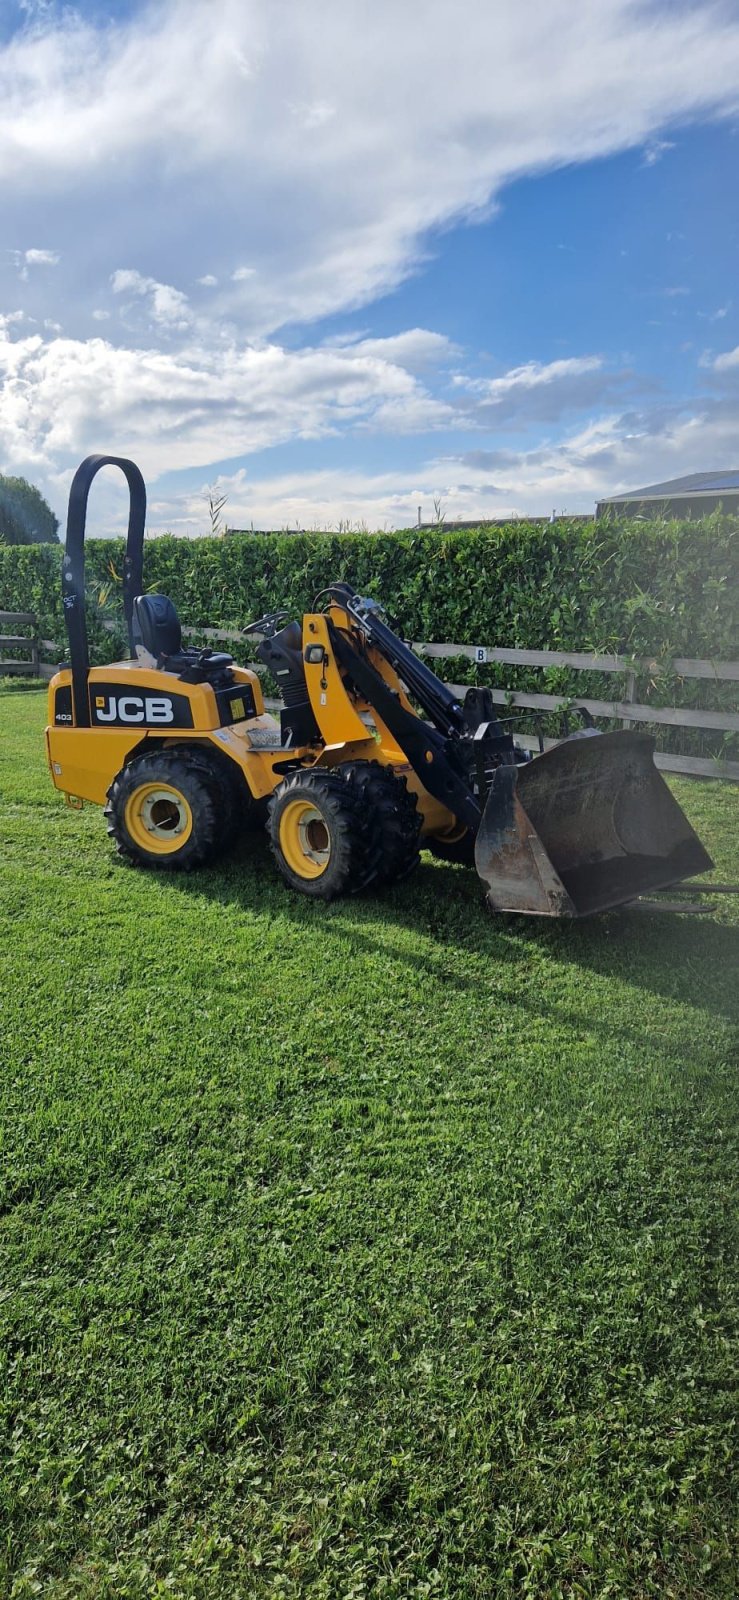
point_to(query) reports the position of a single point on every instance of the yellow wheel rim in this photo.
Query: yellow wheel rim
(453, 834)
(305, 840)
(158, 818)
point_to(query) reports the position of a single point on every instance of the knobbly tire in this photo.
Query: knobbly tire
(236, 807)
(321, 837)
(392, 812)
(169, 810)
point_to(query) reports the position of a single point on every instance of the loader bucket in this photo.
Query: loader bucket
(586, 826)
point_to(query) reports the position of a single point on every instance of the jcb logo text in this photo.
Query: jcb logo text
(133, 708)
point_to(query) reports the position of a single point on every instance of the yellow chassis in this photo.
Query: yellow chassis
(84, 761)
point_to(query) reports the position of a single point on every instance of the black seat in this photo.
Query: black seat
(157, 627)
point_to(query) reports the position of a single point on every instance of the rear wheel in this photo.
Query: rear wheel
(319, 835)
(454, 844)
(165, 810)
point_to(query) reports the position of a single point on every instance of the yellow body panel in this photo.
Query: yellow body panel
(200, 695)
(84, 761)
(337, 718)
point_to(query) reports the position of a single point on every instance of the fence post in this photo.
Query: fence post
(629, 695)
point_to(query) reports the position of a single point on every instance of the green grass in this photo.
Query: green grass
(378, 1250)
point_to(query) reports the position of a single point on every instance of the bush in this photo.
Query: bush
(654, 590)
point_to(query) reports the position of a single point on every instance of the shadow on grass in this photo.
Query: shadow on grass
(689, 960)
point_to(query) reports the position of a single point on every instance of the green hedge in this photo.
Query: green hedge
(657, 589)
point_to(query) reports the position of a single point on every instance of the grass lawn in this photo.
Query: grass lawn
(381, 1249)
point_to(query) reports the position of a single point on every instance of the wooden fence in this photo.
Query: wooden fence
(625, 709)
(28, 667)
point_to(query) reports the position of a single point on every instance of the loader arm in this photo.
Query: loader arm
(454, 751)
(438, 702)
(588, 826)
(431, 755)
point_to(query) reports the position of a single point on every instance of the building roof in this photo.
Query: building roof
(695, 483)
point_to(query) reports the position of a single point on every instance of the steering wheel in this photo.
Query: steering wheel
(268, 625)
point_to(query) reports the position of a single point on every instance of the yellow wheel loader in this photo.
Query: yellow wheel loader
(372, 758)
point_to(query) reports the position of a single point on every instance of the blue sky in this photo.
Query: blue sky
(341, 265)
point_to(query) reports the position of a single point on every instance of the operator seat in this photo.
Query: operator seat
(157, 627)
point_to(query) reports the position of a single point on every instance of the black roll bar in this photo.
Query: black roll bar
(73, 568)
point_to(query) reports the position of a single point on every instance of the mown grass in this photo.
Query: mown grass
(377, 1250)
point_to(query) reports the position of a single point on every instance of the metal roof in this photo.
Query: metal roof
(694, 483)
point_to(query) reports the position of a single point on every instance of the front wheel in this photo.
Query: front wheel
(392, 812)
(163, 810)
(319, 834)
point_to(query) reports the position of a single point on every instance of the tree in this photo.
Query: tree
(25, 516)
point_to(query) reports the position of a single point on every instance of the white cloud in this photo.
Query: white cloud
(541, 391)
(23, 259)
(655, 150)
(185, 110)
(203, 136)
(61, 398)
(618, 452)
(415, 348)
(533, 375)
(725, 362)
(168, 307)
(614, 453)
(64, 397)
(41, 258)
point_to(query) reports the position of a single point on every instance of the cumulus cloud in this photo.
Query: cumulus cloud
(612, 453)
(61, 398)
(415, 349)
(333, 196)
(168, 307)
(620, 451)
(727, 361)
(188, 406)
(542, 391)
(23, 259)
(41, 258)
(227, 146)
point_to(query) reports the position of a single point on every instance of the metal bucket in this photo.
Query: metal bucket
(584, 827)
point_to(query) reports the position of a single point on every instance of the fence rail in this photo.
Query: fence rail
(28, 667)
(625, 709)
(680, 666)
